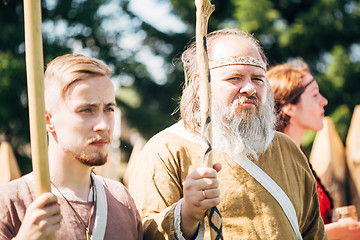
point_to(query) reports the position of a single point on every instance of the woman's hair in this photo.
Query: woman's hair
(190, 102)
(286, 82)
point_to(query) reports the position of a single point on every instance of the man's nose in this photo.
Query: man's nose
(103, 122)
(248, 89)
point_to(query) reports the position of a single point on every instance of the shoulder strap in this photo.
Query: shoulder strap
(270, 185)
(101, 209)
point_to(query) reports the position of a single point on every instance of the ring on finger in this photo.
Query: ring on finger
(204, 194)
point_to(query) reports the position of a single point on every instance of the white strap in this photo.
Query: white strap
(101, 209)
(270, 185)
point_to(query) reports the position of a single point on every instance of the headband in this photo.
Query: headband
(227, 61)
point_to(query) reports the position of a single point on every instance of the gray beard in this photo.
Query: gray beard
(244, 135)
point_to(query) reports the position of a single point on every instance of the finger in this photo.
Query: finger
(53, 209)
(209, 203)
(211, 193)
(207, 183)
(203, 173)
(51, 229)
(217, 166)
(44, 199)
(56, 219)
(47, 222)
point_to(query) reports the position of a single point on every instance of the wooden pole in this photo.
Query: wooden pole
(352, 151)
(328, 160)
(203, 12)
(204, 9)
(35, 80)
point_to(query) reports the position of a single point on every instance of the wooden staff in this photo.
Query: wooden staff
(203, 12)
(35, 77)
(204, 8)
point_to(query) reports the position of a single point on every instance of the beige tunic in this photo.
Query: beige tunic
(248, 210)
(123, 220)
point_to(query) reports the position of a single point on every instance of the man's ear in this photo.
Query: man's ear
(289, 109)
(49, 125)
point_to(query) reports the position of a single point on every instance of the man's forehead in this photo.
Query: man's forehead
(234, 50)
(92, 89)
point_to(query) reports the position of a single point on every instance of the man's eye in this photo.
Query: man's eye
(85, 110)
(110, 109)
(258, 80)
(233, 79)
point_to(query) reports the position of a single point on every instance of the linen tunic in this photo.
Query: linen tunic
(123, 219)
(248, 210)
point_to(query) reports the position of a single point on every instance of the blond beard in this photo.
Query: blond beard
(245, 134)
(91, 159)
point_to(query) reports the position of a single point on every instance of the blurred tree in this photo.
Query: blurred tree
(85, 26)
(325, 33)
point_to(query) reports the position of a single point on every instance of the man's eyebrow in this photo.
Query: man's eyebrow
(111, 104)
(231, 74)
(259, 75)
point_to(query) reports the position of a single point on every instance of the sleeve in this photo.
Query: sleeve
(6, 229)
(177, 221)
(156, 186)
(9, 221)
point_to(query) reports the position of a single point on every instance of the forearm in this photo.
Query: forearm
(332, 231)
(344, 229)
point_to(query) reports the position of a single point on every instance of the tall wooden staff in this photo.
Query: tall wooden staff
(35, 77)
(204, 8)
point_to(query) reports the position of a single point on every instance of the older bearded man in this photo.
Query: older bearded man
(267, 188)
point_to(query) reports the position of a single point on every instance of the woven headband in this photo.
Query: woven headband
(226, 61)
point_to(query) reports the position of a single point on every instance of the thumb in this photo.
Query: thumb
(217, 167)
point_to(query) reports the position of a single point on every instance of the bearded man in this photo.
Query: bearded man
(265, 189)
(79, 110)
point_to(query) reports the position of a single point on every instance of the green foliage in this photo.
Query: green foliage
(325, 33)
(246, 10)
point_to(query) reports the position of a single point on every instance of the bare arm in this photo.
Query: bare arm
(345, 229)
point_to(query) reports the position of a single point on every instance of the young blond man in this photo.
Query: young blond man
(79, 110)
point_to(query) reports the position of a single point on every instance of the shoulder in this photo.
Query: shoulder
(287, 145)
(15, 198)
(283, 138)
(116, 189)
(118, 196)
(172, 139)
(18, 189)
(285, 150)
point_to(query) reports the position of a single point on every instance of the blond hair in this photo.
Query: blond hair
(65, 70)
(190, 102)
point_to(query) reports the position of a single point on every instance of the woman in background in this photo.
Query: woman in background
(300, 107)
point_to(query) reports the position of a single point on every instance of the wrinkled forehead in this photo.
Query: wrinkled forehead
(234, 50)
